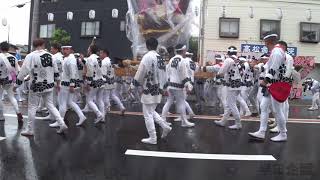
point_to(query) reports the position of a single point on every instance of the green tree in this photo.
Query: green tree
(193, 47)
(60, 36)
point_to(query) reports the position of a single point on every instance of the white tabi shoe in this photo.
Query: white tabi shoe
(312, 109)
(149, 140)
(187, 124)
(165, 131)
(62, 129)
(247, 114)
(81, 121)
(100, 120)
(27, 132)
(178, 119)
(275, 130)
(221, 123)
(260, 135)
(282, 137)
(235, 127)
(54, 125)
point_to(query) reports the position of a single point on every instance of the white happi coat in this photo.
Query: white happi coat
(43, 72)
(108, 73)
(232, 76)
(151, 76)
(94, 72)
(8, 67)
(276, 66)
(192, 68)
(177, 74)
(247, 75)
(70, 75)
(58, 59)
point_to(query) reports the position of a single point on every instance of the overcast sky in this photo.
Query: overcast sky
(18, 19)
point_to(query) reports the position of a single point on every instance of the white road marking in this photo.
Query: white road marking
(2, 138)
(226, 157)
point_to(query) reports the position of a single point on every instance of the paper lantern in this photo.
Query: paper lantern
(69, 16)
(50, 17)
(115, 13)
(92, 14)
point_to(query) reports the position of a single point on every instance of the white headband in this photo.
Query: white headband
(232, 50)
(66, 46)
(183, 48)
(270, 35)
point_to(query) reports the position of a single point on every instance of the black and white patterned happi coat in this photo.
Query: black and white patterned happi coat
(43, 72)
(151, 76)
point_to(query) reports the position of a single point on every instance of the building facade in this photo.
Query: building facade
(244, 22)
(83, 20)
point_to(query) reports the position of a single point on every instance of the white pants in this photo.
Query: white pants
(33, 103)
(245, 93)
(278, 111)
(199, 91)
(253, 98)
(315, 100)
(151, 117)
(97, 95)
(67, 99)
(12, 99)
(188, 107)
(178, 95)
(110, 93)
(231, 106)
(222, 95)
(286, 109)
(244, 108)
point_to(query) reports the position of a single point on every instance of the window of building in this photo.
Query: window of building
(269, 27)
(46, 30)
(229, 27)
(310, 32)
(90, 28)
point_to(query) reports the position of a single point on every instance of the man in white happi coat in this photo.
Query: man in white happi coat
(246, 75)
(58, 60)
(313, 86)
(151, 76)
(290, 77)
(178, 80)
(9, 67)
(275, 70)
(218, 81)
(95, 84)
(69, 84)
(192, 68)
(109, 78)
(43, 72)
(231, 73)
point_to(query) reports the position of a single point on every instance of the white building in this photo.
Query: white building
(237, 22)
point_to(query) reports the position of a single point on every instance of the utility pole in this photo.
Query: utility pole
(203, 14)
(34, 22)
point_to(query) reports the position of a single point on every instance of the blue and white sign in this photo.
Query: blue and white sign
(256, 48)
